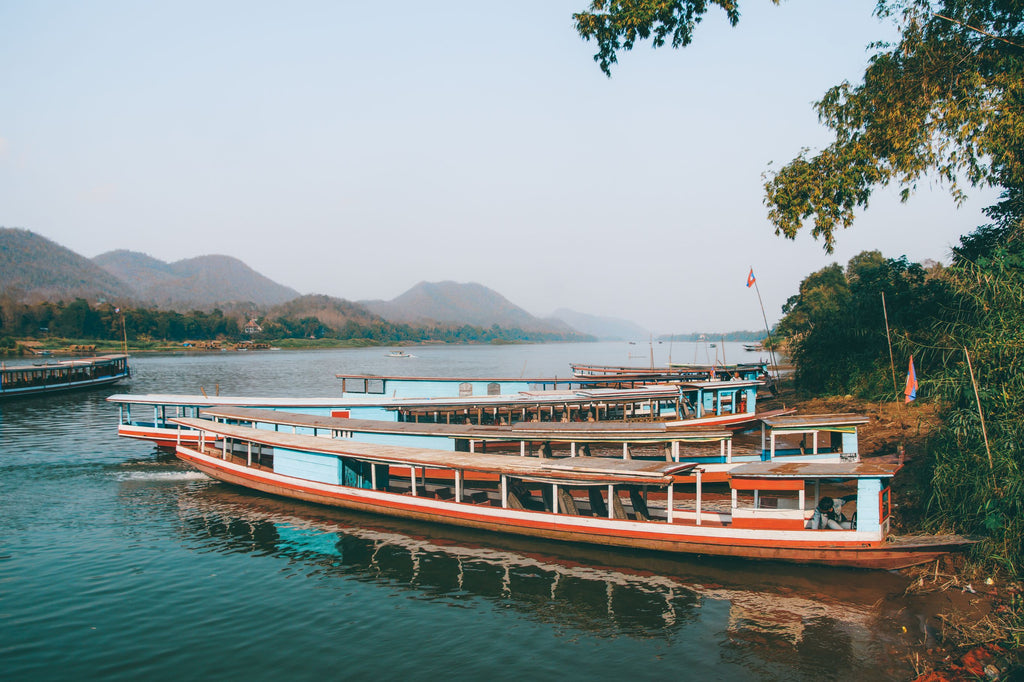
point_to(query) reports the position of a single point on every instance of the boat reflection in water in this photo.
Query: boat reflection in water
(756, 612)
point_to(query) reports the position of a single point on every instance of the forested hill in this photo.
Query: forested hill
(456, 303)
(332, 312)
(199, 282)
(32, 268)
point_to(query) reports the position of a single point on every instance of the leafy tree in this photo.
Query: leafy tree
(835, 327)
(944, 99)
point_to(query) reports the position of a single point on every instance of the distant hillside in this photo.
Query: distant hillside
(201, 282)
(456, 303)
(333, 312)
(604, 328)
(33, 268)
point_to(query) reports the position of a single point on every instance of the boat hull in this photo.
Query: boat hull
(60, 388)
(811, 547)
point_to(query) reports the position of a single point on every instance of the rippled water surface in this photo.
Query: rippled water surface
(119, 563)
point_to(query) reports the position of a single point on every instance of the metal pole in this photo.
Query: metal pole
(771, 344)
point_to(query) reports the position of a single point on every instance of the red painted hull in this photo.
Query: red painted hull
(656, 536)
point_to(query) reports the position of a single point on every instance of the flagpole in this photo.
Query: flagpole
(892, 363)
(771, 344)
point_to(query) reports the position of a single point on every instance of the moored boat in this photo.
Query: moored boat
(817, 438)
(726, 404)
(587, 500)
(66, 375)
(673, 371)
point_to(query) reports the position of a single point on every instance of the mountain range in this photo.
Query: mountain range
(198, 282)
(35, 269)
(455, 303)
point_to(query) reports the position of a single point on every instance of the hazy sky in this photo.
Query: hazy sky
(357, 148)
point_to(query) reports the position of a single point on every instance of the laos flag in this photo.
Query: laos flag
(910, 392)
(750, 278)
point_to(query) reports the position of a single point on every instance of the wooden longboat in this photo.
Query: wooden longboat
(589, 500)
(713, 449)
(66, 375)
(729, 404)
(677, 371)
(408, 386)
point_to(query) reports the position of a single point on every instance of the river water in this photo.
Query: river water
(119, 563)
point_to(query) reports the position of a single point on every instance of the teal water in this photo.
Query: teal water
(119, 563)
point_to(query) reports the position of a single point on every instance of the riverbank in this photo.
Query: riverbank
(978, 632)
(58, 346)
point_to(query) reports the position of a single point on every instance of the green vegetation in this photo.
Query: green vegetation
(59, 325)
(943, 101)
(835, 332)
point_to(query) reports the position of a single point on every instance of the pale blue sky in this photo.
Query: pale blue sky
(357, 148)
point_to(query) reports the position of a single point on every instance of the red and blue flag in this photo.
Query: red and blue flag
(910, 392)
(751, 279)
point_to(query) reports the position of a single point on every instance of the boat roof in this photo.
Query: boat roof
(576, 470)
(810, 421)
(405, 377)
(672, 367)
(52, 363)
(261, 401)
(614, 431)
(651, 392)
(874, 467)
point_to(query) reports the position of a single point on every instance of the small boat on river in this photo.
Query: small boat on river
(601, 501)
(18, 381)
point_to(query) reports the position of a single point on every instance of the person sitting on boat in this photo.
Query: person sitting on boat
(827, 515)
(824, 515)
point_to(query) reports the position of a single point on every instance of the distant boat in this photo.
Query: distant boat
(399, 354)
(67, 375)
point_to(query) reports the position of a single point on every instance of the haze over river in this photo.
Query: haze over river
(119, 563)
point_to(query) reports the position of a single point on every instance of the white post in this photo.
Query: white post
(572, 449)
(625, 450)
(771, 453)
(815, 441)
(458, 486)
(554, 498)
(675, 451)
(224, 448)
(611, 508)
(670, 502)
(373, 475)
(522, 448)
(504, 491)
(698, 473)
(249, 454)
(412, 471)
